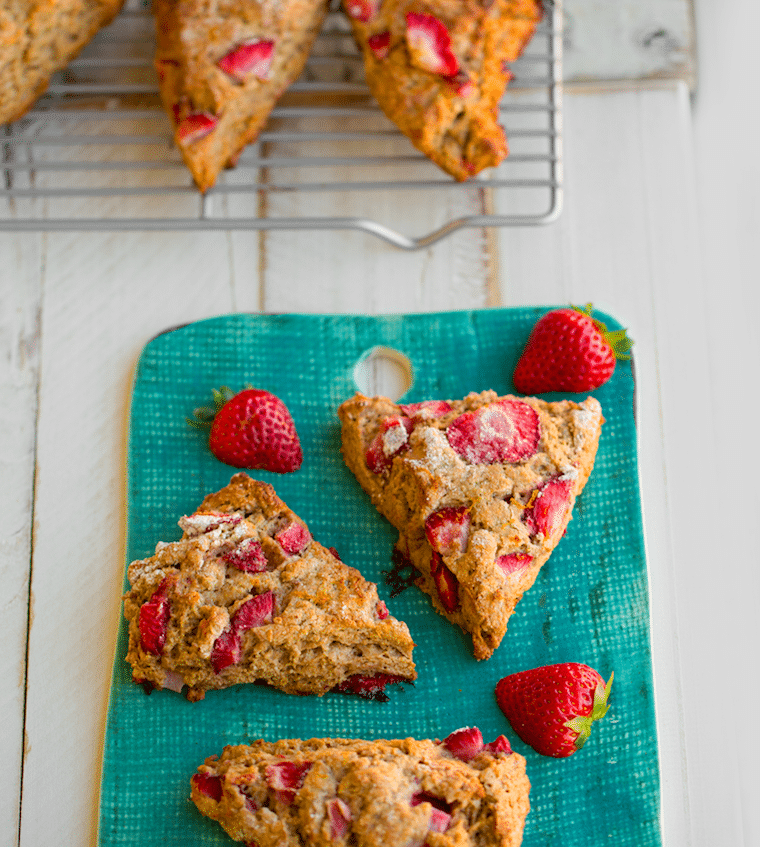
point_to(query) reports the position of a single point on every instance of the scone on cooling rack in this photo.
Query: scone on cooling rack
(438, 69)
(223, 66)
(39, 39)
(456, 793)
(480, 489)
(247, 595)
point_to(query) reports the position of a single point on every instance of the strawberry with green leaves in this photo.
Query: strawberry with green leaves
(552, 708)
(251, 429)
(569, 350)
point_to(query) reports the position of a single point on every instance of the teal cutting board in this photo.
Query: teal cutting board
(589, 604)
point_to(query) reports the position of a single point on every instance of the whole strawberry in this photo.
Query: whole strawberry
(552, 708)
(568, 350)
(251, 429)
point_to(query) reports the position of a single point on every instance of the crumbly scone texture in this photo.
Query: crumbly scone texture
(364, 793)
(452, 119)
(504, 531)
(308, 622)
(39, 38)
(192, 36)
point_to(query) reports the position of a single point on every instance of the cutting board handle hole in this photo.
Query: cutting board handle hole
(384, 371)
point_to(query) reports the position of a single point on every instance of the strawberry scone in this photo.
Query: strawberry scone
(438, 69)
(458, 792)
(480, 489)
(246, 595)
(223, 66)
(37, 39)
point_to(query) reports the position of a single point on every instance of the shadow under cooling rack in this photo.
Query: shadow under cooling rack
(96, 152)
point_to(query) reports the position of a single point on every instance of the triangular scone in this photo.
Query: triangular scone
(438, 69)
(222, 66)
(480, 489)
(248, 596)
(39, 38)
(368, 793)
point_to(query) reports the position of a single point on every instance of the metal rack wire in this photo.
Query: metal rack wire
(99, 141)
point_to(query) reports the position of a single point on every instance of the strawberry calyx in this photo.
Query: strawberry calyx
(618, 339)
(204, 416)
(582, 724)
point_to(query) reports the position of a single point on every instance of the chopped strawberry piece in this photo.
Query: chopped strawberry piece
(285, 778)
(427, 409)
(504, 431)
(382, 610)
(250, 58)
(429, 44)
(439, 820)
(448, 530)
(445, 582)
(514, 564)
(549, 507)
(200, 523)
(368, 687)
(195, 126)
(208, 785)
(464, 743)
(153, 620)
(339, 815)
(247, 556)
(335, 553)
(254, 612)
(499, 745)
(293, 539)
(362, 10)
(380, 45)
(392, 439)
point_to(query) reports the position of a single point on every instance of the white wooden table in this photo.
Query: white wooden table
(659, 228)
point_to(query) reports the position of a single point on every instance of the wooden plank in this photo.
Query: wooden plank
(104, 297)
(20, 280)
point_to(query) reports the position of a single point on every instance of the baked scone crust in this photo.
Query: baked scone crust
(325, 623)
(452, 119)
(192, 36)
(39, 38)
(496, 500)
(365, 793)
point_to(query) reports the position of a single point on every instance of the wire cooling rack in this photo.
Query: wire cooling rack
(95, 153)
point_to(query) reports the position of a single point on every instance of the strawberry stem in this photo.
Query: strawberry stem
(582, 724)
(617, 338)
(204, 416)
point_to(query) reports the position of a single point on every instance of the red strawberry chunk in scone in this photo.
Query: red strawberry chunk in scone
(247, 556)
(429, 44)
(208, 785)
(504, 431)
(448, 530)
(426, 410)
(392, 439)
(293, 539)
(549, 507)
(499, 745)
(368, 687)
(254, 612)
(195, 126)
(252, 58)
(445, 582)
(380, 45)
(362, 10)
(465, 743)
(514, 564)
(153, 620)
(339, 815)
(285, 778)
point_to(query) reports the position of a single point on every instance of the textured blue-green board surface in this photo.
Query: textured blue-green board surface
(589, 604)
